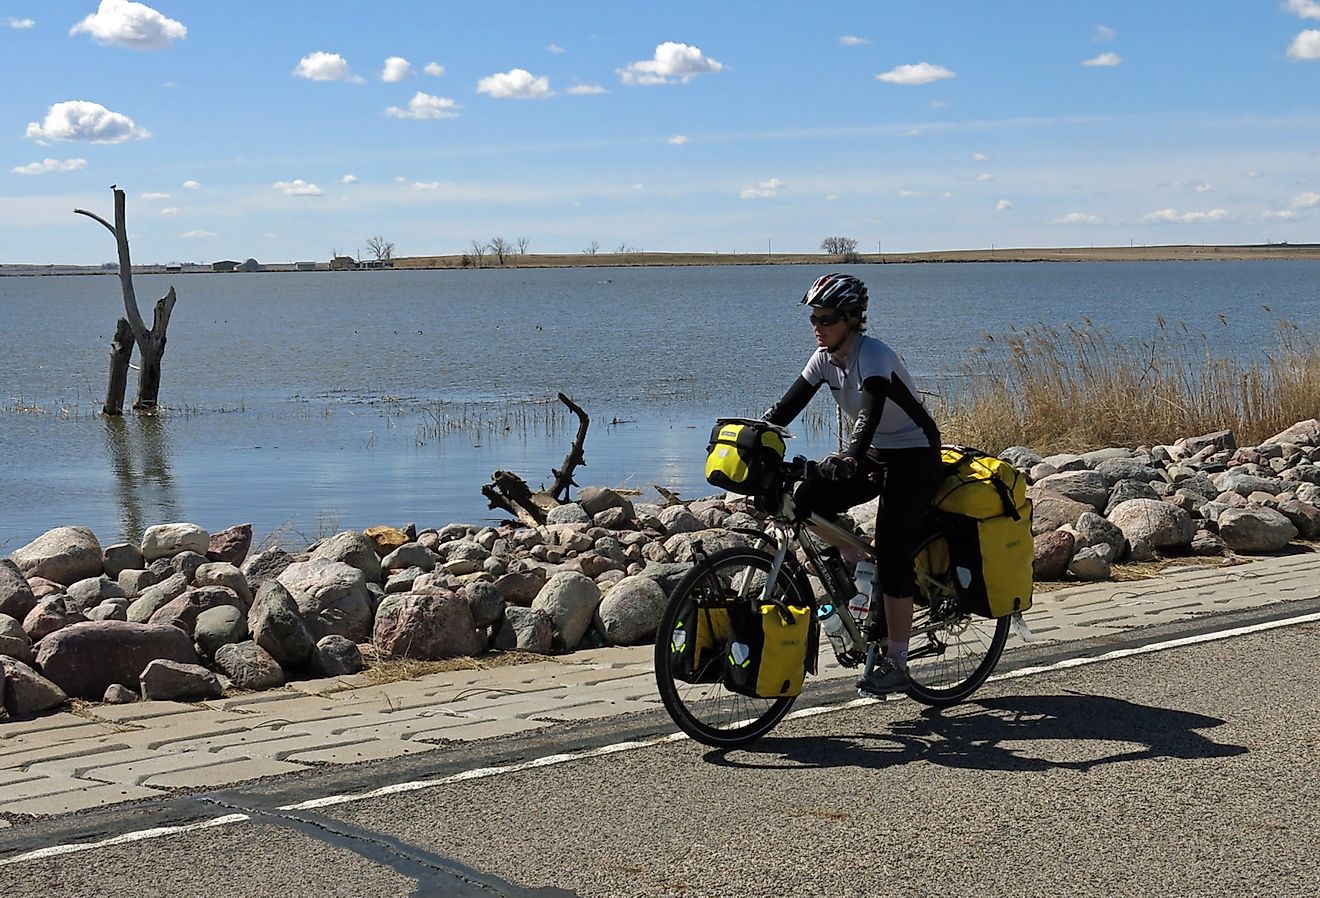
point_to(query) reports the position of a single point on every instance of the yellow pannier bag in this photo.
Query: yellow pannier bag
(767, 655)
(697, 645)
(986, 517)
(741, 457)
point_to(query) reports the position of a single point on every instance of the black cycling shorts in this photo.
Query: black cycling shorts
(905, 480)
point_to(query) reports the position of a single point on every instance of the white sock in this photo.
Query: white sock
(898, 652)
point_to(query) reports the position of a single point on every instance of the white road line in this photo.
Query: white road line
(552, 760)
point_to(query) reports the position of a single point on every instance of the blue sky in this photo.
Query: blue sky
(287, 130)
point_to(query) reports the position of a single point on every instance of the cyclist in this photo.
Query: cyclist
(892, 452)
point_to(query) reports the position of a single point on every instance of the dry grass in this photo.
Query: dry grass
(1078, 388)
(392, 670)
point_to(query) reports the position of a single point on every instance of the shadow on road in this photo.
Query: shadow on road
(1013, 733)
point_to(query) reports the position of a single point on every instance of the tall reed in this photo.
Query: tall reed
(1077, 387)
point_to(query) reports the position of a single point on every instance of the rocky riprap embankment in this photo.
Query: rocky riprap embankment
(187, 614)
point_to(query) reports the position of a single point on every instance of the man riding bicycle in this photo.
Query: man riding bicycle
(893, 452)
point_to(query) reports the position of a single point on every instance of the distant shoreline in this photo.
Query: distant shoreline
(1171, 253)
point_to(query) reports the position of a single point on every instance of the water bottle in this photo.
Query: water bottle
(834, 628)
(860, 604)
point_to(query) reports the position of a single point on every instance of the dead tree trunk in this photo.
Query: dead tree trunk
(564, 473)
(121, 353)
(150, 343)
(511, 493)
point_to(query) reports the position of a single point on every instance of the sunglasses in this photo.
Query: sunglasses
(828, 320)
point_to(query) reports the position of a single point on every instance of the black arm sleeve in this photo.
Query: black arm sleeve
(874, 391)
(791, 405)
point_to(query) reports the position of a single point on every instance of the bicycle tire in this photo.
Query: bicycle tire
(952, 660)
(709, 712)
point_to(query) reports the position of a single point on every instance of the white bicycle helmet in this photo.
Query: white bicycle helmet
(841, 292)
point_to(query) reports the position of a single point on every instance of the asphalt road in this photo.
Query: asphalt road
(1189, 771)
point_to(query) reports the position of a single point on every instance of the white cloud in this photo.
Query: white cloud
(1305, 45)
(673, 63)
(985, 177)
(1204, 188)
(396, 69)
(21, 24)
(155, 196)
(515, 84)
(192, 185)
(82, 120)
(1176, 217)
(1077, 218)
(852, 40)
(49, 165)
(425, 106)
(424, 185)
(919, 73)
(348, 179)
(762, 190)
(129, 24)
(938, 104)
(298, 187)
(580, 90)
(1104, 34)
(678, 140)
(1104, 60)
(980, 157)
(322, 66)
(910, 132)
(1306, 9)
(170, 210)
(195, 234)
(434, 69)
(1003, 205)
(1283, 215)
(554, 48)
(1305, 201)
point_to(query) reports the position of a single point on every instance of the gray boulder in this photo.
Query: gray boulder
(1125, 490)
(118, 694)
(594, 500)
(183, 610)
(411, 555)
(526, 629)
(630, 612)
(122, 557)
(1097, 457)
(332, 597)
(1304, 516)
(1088, 487)
(1064, 462)
(1021, 457)
(1255, 529)
(219, 626)
(187, 563)
(153, 598)
(486, 602)
(1303, 433)
(134, 581)
(570, 599)
(175, 681)
(354, 549)
(1245, 484)
(1219, 441)
(83, 659)
(1093, 530)
(426, 626)
(11, 627)
(1207, 544)
(25, 691)
(1159, 523)
(1116, 469)
(88, 593)
(568, 513)
(677, 519)
(335, 656)
(168, 540)
(16, 597)
(278, 628)
(1050, 511)
(64, 555)
(1091, 563)
(265, 566)
(249, 666)
(680, 545)
(18, 648)
(110, 609)
(222, 573)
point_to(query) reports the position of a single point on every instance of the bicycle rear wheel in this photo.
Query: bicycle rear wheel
(952, 652)
(708, 711)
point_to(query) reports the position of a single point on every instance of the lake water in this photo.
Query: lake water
(305, 403)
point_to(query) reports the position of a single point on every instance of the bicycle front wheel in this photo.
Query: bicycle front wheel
(696, 698)
(952, 652)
